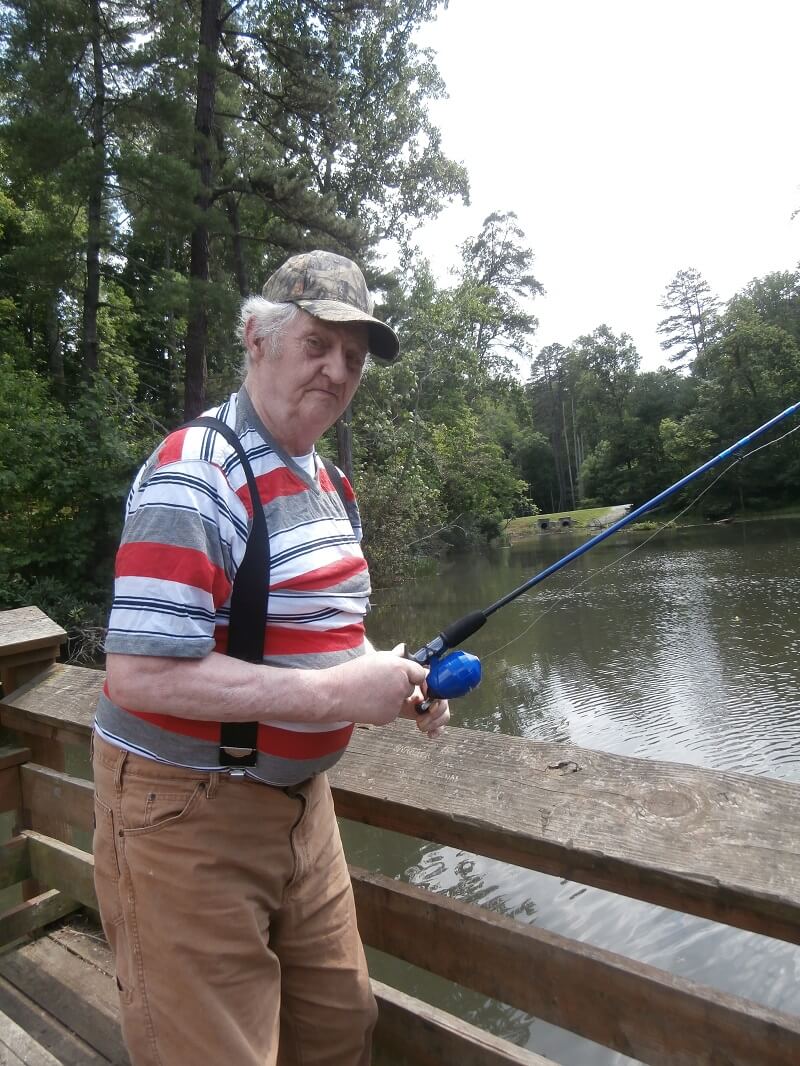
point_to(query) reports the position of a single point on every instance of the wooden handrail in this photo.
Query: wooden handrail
(634, 1008)
(646, 1013)
(718, 845)
(29, 643)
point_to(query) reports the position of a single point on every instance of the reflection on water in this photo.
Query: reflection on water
(686, 652)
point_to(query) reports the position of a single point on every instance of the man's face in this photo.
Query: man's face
(306, 386)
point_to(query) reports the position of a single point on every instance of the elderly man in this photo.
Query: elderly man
(218, 864)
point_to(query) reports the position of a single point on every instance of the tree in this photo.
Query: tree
(691, 325)
(316, 116)
(774, 300)
(497, 264)
(606, 367)
(66, 68)
(552, 392)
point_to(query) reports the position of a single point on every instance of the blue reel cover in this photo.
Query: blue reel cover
(453, 676)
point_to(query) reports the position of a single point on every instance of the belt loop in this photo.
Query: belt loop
(213, 781)
(121, 758)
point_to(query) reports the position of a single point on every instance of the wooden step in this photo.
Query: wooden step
(79, 996)
(18, 1048)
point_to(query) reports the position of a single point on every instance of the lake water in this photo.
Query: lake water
(687, 650)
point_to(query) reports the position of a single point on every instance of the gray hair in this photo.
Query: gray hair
(270, 321)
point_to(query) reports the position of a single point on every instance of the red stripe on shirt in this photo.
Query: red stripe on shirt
(305, 641)
(324, 576)
(167, 562)
(271, 486)
(272, 740)
(172, 448)
(281, 640)
(327, 485)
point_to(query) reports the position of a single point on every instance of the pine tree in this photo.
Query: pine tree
(694, 311)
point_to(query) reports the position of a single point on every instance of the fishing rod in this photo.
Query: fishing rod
(458, 673)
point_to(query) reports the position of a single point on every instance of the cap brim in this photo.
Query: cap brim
(384, 344)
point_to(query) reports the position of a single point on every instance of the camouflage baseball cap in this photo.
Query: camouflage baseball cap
(331, 287)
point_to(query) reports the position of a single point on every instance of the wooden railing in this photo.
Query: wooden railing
(718, 845)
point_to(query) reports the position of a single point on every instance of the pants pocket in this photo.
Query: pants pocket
(106, 863)
(158, 807)
(109, 889)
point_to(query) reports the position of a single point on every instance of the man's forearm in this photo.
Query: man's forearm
(220, 688)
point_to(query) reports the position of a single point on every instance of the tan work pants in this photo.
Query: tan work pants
(228, 907)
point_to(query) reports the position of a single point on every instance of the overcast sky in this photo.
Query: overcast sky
(633, 138)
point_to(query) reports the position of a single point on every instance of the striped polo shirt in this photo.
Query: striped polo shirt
(186, 527)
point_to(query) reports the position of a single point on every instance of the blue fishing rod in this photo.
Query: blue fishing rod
(457, 674)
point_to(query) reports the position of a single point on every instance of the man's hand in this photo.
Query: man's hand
(376, 688)
(433, 721)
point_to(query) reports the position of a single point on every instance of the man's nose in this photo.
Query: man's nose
(336, 364)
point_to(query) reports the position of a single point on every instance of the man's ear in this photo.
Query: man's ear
(250, 339)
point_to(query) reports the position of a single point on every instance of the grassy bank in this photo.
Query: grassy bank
(519, 528)
(528, 526)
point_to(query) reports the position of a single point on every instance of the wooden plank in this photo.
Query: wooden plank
(719, 845)
(48, 744)
(10, 793)
(13, 755)
(38, 659)
(15, 863)
(46, 792)
(84, 939)
(417, 1034)
(81, 998)
(643, 1012)
(68, 1049)
(64, 697)
(16, 1046)
(58, 865)
(34, 913)
(27, 627)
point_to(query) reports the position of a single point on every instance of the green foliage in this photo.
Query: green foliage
(317, 135)
(445, 421)
(692, 322)
(477, 481)
(395, 509)
(63, 480)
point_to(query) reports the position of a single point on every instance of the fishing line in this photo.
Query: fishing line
(566, 593)
(457, 673)
(761, 447)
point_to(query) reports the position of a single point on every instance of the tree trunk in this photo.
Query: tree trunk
(55, 352)
(197, 332)
(232, 207)
(569, 461)
(344, 443)
(91, 297)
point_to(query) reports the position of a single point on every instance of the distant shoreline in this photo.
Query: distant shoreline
(527, 528)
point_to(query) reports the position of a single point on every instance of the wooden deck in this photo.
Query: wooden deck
(58, 1007)
(719, 845)
(58, 991)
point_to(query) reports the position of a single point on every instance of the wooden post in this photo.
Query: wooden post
(344, 443)
(29, 643)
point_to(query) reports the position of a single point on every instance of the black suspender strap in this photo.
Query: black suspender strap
(250, 597)
(249, 601)
(336, 481)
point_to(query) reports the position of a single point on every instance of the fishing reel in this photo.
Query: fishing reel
(456, 674)
(453, 675)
